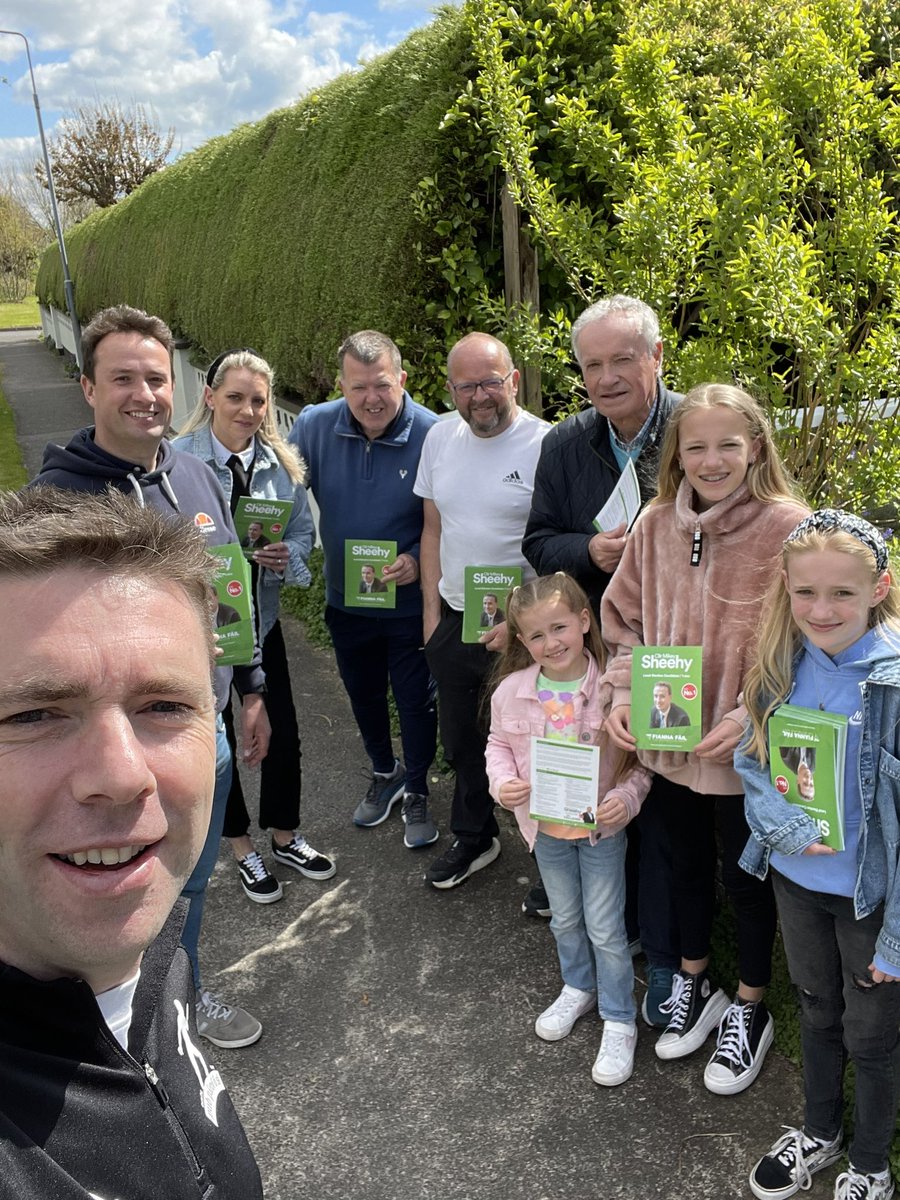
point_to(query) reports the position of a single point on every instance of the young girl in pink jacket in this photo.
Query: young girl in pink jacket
(548, 679)
(695, 570)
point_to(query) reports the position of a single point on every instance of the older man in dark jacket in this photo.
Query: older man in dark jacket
(619, 349)
(617, 344)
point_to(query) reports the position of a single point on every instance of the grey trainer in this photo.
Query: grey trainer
(225, 1025)
(384, 792)
(420, 829)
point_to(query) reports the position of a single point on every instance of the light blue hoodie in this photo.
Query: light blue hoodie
(834, 685)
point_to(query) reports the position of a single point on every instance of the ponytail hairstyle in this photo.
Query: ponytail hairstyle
(202, 416)
(767, 478)
(769, 679)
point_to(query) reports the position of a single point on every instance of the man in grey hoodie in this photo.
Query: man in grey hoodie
(127, 380)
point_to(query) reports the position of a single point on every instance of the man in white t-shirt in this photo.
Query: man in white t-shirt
(475, 477)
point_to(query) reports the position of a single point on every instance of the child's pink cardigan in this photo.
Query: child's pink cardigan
(517, 715)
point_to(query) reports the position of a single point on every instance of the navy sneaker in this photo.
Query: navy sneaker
(659, 989)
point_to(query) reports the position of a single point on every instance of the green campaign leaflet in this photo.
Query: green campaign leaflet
(259, 523)
(565, 782)
(667, 697)
(234, 618)
(807, 753)
(484, 598)
(363, 564)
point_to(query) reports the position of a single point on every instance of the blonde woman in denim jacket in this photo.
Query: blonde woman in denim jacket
(233, 430)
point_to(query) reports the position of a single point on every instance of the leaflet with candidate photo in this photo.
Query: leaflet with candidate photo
(624, 502)
(807, 756)
(484, 598)
(565, 782)
(260, 523)
(667, 697)
(234, 616)
(364, 562)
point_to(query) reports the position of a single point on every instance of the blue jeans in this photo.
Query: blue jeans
(586, 888)
(194, 890)
(842, 1013)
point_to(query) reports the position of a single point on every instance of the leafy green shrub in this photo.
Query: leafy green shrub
(735, 164)
(308, 604)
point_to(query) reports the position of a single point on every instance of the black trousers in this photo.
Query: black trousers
(280, 774)
(370, 651)
(691, 823)
(461, 670)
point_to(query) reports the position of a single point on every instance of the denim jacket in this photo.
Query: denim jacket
(775, 824)
(269, 481)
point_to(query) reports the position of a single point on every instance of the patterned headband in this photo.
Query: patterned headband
(217, 362)
(827, 519)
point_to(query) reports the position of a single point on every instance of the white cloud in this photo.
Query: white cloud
(205, 66)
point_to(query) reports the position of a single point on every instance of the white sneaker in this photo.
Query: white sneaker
(853, 1185)
(615, 1060)
(559, 1019)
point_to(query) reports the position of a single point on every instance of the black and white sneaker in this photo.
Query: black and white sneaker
(258, 883)
(745, 1035)
(300, 855)
(791, 1164)
(854, 1185)
(536, 903)
(460, 861)
(694, 1010)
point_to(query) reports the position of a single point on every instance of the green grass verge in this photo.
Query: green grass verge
(20, 316)
(12, 468)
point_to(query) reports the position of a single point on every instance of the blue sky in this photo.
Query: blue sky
(204, 66)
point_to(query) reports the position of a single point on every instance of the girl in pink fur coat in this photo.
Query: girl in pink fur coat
(548, 682)
(694, 572)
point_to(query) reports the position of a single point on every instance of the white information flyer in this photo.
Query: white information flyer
(565, 780)
(623, 505)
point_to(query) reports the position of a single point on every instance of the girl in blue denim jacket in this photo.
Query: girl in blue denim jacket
(831, 641)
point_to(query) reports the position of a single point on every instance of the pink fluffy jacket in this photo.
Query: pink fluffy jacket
(656, 598)
(517, 716)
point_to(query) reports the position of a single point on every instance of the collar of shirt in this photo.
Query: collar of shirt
(623, 450)
(223, 454)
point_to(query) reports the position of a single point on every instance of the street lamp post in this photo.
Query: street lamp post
(67, 279)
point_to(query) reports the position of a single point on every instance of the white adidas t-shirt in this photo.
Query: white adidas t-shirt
(482, 489)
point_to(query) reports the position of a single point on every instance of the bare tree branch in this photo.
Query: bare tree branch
(104, 151)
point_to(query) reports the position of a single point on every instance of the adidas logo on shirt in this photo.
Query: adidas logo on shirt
(513, 477)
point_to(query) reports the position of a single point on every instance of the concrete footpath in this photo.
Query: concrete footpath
(398, 1060)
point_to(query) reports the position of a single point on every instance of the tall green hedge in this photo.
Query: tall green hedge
(733, 162)
(295, 230)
